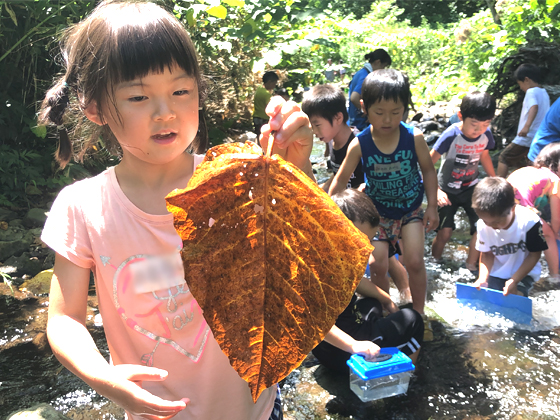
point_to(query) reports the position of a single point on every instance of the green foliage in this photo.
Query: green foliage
(446, 47)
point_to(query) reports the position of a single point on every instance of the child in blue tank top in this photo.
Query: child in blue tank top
(390, 152)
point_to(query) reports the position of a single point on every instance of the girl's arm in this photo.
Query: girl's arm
(431, 217)
(486, 162)
(348, 166)
(356, 99)
(343, 341)
(369, 289)
(486, 263)
(554, 201)
(74, 347)
(525, 268)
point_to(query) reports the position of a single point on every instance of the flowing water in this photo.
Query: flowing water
(479, 365)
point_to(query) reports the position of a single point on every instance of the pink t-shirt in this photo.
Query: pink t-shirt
(149, 315)
(533, 185)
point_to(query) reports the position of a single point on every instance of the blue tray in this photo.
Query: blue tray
(517, 308)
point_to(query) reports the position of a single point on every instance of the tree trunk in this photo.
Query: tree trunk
(492, 6)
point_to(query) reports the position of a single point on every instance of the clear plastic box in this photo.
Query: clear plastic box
(386, 377)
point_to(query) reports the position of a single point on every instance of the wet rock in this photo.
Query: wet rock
(38, 412)
(35, 218)
(24, 264)
(40, 284)
(7, 215)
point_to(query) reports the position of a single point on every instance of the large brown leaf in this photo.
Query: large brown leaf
(269, 257)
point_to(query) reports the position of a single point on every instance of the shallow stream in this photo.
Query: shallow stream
(478, 366)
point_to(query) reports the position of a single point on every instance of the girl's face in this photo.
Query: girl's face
(385, 116)
(158, 115)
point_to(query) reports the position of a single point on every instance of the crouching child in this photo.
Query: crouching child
(510, 239)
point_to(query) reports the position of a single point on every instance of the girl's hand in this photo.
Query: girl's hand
(293, 138)
(367, 349)
(431, 218)
(124, 387)
(442, 199)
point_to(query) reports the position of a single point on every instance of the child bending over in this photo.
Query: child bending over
(132, 72)
(510, 239)
(538, 187)
(361, 328)
(390, 152)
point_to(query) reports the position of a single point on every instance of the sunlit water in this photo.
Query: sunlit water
(479, 366)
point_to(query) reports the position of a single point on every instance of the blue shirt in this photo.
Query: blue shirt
(355, 116)
(548, 132)
(393, 181)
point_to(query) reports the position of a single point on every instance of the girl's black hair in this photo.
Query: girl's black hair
(118, 42)
(549, 157)
(379, 54)
(385, 84)
(357, 206)
(493, 195)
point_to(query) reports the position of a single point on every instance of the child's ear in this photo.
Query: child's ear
(460, 115)
(92, 113)
(363, 107)
(338, 118)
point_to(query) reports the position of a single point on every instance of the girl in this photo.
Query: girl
(389, 151)
(537, 187)
(132, 71)
(378, 59)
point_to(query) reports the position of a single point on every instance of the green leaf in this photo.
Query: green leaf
(190, 17)
(234, 3)
(555, 14)
(40, 131)
(267, 18)
(11, 13)
(217, 11)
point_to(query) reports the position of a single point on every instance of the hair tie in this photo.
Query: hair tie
(60, 127)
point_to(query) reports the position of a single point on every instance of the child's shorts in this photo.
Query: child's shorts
(403, 329)
(523, 286)
(514, 155)
(447, 213)
(390, 229)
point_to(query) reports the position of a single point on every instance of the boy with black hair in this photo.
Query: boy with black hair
(463, 145)
(510, 239)
(361, 328)
(325, 105)
(261, 100)
(535, 106)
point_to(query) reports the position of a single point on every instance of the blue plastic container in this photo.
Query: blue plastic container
(388, 376)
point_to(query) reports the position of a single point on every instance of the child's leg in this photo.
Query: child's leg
(445, 228)
(442, 237)
(400, 278)
(551, 254)
(413, 238)
(403, 329)
(379, 265)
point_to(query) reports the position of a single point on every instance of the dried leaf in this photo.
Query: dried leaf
(269, 257)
